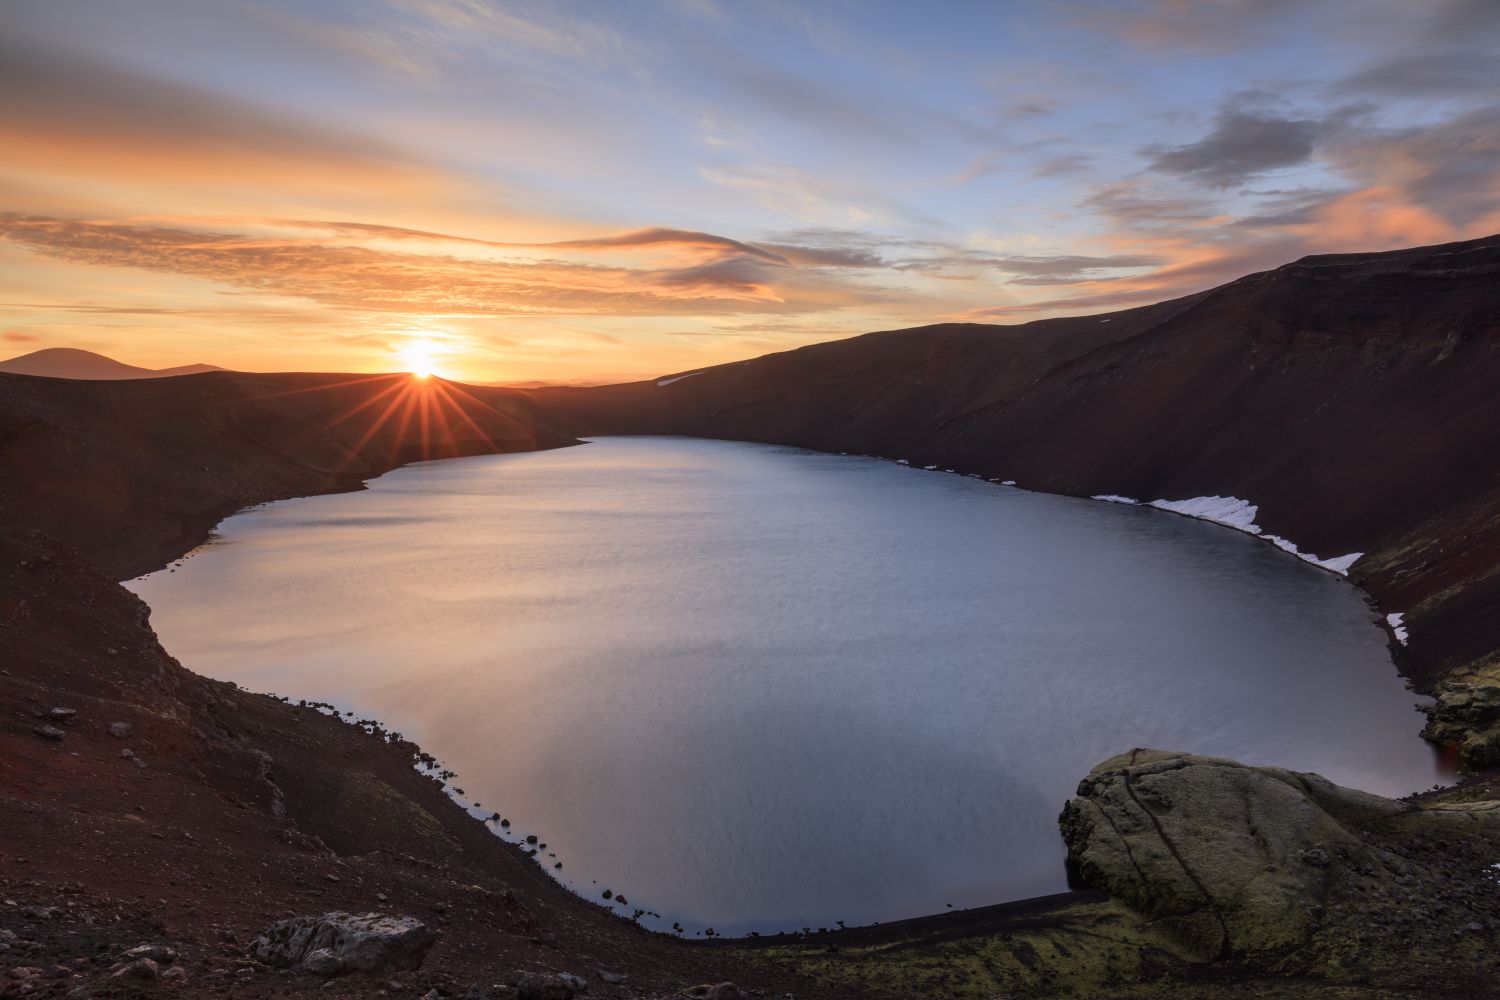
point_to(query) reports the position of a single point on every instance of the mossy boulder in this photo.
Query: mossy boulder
(1257, 862)
(1467, 716)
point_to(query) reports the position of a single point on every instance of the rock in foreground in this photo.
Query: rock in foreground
(1238, 861)
(336, 943)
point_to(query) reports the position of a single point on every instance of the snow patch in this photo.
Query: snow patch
(1231, 512)
(676, 378)
(1009, 482)
(902, 461)
(1114, 498)
(1397, 629)
(1240, 514)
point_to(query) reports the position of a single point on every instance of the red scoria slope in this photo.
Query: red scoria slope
(1354, 398)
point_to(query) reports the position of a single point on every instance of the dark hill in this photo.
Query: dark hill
(135, 472)
(69, 362)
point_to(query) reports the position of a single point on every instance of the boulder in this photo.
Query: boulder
(322, 962)
(142, 970)
(363, 942)
(1238, 861)
(1467, 716)
(158, 953)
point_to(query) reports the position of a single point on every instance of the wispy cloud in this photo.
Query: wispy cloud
(725, 276)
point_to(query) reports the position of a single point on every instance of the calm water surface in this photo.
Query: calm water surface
(753, 687)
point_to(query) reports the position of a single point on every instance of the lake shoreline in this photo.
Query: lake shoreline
(369, 629)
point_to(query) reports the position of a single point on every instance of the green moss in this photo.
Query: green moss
(1084, 950)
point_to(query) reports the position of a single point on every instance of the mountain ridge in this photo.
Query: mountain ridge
(76, 363)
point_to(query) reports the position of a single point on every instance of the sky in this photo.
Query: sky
(596, 190)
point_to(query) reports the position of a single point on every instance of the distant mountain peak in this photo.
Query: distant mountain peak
(76, 363)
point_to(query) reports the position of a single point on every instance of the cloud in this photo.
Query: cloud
(428, 39)
(18, 337)
(1463, 21)
(1450, 167)
(1279, 209)
(1134, 204)
(1444, 73)
(827, 256)
(1242, 144)
(743, 277)
(1189, 268)
(1064, 268)
(851, 248)
(818, 107)
(806, 196)
(1206, 27)
(657, 237)
(649, 238)
(726, 276)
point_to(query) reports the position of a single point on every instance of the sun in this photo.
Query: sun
(417, 355)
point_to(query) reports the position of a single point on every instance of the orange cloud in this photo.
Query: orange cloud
(1376, 218)
(722, 279)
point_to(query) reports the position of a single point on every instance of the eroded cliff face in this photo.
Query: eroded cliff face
(1351, 399)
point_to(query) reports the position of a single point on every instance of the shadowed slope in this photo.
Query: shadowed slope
(135, 472)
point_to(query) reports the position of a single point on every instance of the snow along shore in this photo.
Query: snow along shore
(1232, 512)
(1397, 629)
